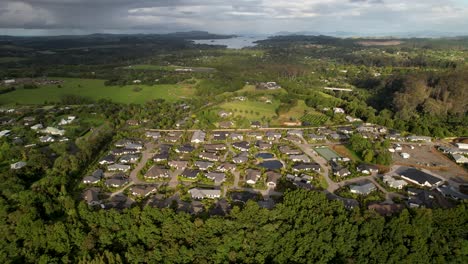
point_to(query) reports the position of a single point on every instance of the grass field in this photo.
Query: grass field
(96, 89)
(249, 109)
(151, 67)
(297, 112)
(327, 153)
(11, 59)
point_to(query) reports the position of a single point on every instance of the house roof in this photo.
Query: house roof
(420, 176)
(365, 188)
(273, 176)
(190, 173)
(157, 171)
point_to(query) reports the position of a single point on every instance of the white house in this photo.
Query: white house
(394, 183)
(462, 145)
(198, 137)
(53, 131)
(198, 193)
(18, 165)
(405, 155)
(460, 158)
(338, 110)
(37, 127)
(67, 121)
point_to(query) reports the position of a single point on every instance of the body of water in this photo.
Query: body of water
(231, 43)
(271, 164)
(264, 155)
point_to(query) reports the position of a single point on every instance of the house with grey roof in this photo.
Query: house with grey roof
(272, 135)
(94, 178)
(142, 190)
(118, 167)
(198, 137)
(18, 165)
(420, 178)
(252, 176)
(156, 172)
(91, 197)
(153, 134)
(209, 156)
(203, 165)
(241, 158)
(190, 173)
(242, 146)
(178, 164)
(272, 178)
(300, 158)
(217, 177)
(363, 189)
(199, 193)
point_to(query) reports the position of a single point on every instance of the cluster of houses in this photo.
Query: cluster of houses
(117, 163)
(458, 152)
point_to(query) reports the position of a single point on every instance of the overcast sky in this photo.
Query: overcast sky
(28, 17)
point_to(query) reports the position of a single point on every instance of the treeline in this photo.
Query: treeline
(305, 228)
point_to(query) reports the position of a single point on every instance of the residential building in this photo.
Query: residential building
(153, 134)
(178, 164)
(198, 137)
(198, 193)
(156, 172)
(37, 127)
(209, 156)
(272, 135)
(108, 159)
(163, 156)
(242, 146)
(142, 190)
(53, 131)
(236, 136)
(190, 173)
(217, 177)
(460, 158)
(341, 172)
(46, 139)
(129, 159)
(272, 178)
(214, 147)
(367, 169)
(419, 139)
(224, 167)
(203, 165)
(252, 176)
(461, 145)
(394, 183)
(363, 189)
(300, 158)
(118, 167)
(18, 165)
(184, 149)
(91, 197)
(420, 178)
(116, 181)
(306, 167)
(241, 158)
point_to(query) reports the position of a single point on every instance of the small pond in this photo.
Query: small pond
(271, 164)
(264, 155)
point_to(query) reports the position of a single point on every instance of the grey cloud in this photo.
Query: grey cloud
(223, 16)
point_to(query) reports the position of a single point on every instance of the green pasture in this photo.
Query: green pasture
(96, 89)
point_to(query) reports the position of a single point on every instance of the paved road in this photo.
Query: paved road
(325, 170)
(146, 155)
(174, 180)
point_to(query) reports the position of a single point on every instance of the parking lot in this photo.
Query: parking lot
(425, 156)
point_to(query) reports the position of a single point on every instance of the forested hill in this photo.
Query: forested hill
(305, 228)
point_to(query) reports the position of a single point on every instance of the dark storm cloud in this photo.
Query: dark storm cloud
(233, 16)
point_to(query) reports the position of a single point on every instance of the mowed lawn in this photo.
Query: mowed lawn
(298, 111)
(249, 109)
(96, 89)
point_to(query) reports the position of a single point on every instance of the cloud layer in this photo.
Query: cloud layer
(239, 16)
